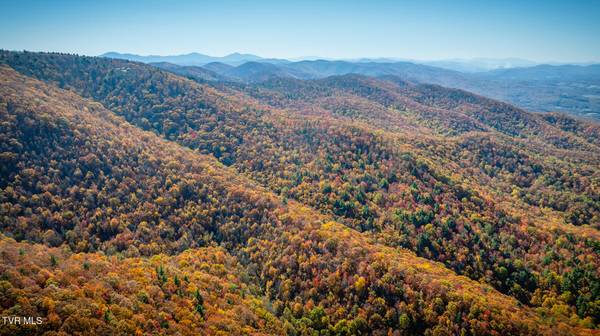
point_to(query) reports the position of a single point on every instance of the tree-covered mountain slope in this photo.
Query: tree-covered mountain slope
(567, 88)
(503, 196)
(197, 291)
(73, 171)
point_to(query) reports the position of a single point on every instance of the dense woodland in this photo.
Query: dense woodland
(328, 202)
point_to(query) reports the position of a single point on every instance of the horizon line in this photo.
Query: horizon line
(330, 58)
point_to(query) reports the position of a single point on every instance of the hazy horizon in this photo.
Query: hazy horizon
(540, 31)
(301, 58)
(317, 57)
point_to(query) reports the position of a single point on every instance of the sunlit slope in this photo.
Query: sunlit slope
(201, 291)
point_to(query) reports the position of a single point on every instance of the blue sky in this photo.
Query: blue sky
(427, 30)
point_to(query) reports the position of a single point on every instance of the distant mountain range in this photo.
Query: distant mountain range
(193, 58)
(257, 71)
(566, 88)
(457, 64)
(481, 64)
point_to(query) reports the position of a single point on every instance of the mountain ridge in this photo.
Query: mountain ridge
(191, 59)
(570, 88)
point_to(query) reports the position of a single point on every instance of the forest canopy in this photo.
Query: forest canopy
(133, 200)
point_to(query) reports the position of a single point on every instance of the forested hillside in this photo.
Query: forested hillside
(571, 89)
(331, 201)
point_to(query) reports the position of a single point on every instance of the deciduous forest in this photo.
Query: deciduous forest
(135, 200)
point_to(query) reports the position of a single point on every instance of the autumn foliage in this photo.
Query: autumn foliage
(340, 206)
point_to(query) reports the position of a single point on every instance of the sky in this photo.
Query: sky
(550, 31)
